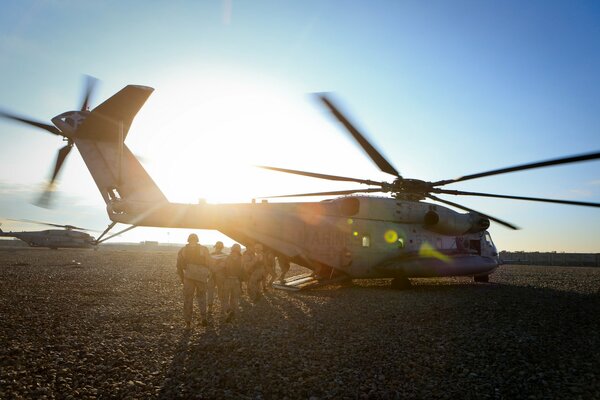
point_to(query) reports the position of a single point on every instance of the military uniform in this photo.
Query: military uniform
(270, 274)
(233, 273)
(257, 273)
(217, 278)
(248, 261)
(192, 267)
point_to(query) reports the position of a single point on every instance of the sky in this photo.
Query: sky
(442, 89)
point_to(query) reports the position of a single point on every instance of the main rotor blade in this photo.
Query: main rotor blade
(556, 161)
(337, 192)
(502, 196)
(50, 224)
(508, 225)
(371, 151)
(35, 222)
(90, 84)
(71, 227)
(321, 176)
(50, 128)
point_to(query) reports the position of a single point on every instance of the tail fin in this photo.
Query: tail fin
(99, 139)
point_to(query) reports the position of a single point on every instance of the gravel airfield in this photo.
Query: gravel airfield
(112, 327)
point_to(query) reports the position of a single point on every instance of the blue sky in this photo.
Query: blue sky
(442, 88)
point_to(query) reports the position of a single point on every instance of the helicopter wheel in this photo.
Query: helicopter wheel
(401, 283)
(482, 278)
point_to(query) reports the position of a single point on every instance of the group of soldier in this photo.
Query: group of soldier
(205, 274)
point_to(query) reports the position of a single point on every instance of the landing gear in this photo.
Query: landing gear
(401, 283)
(482, 278)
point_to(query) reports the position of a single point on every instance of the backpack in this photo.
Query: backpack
(196, 263)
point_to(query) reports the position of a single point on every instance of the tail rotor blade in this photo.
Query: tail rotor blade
(371, 151)
(50, 128)
(46, 197)
(90, 85)
(60, 159)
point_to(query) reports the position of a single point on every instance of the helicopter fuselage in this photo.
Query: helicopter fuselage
(54, 238)
(360, 236)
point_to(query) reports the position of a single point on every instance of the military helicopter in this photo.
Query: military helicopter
(347, 237)
(69, 237)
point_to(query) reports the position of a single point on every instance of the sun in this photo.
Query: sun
(203, 139)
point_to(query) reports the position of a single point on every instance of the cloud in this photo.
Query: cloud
(16, 203)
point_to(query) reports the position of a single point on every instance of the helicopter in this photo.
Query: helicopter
(69, 237)
(352, 236)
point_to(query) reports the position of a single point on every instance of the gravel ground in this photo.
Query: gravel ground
(112, 328)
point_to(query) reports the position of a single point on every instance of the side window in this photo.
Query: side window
(366, 241)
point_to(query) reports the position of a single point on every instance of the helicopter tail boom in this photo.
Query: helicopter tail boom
(100, 139)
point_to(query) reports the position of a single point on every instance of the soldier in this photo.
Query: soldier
(193, 263)
(233, 274)
(248, 261)
(284, 266)
(257, 273)
(270, 274)
(217, 278)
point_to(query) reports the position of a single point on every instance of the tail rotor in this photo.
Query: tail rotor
(64, 125)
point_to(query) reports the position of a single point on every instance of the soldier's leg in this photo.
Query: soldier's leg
(223, 295)
(263, 282)
(284, 266)
(210, 293)
(272, 275)
(257, 280)
(251, 286)
(225, 304)
(234, 299)
(188, 299)
(201, 299)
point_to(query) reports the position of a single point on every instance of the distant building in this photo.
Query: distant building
(551, 258)
(149, 243)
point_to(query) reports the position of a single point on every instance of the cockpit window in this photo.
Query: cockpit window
(489, 240)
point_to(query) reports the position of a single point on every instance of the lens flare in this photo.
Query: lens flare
(390, 236)
(428, 251)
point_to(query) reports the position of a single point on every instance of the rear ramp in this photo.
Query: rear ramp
(307, 281)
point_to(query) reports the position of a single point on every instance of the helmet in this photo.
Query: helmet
(193, 238)
(219, 245)
(236, 248)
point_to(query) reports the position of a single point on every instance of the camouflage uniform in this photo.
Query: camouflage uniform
(233, 273)
(217, 278)
(192, 267)
(257, 273)
(248, 261)
(270, 274)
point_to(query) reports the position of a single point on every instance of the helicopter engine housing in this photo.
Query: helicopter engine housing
(453, 223)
